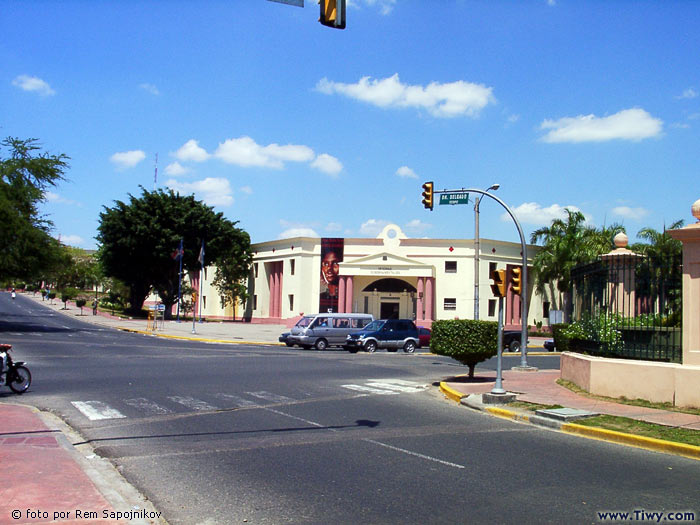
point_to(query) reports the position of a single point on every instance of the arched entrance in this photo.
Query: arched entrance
(390, 298)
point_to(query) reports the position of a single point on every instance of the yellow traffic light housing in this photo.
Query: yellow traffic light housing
(516, 280)
(499, 283)
(332, 13)
(428, 195)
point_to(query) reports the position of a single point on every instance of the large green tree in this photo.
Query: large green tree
(138, 241)
(25, 175)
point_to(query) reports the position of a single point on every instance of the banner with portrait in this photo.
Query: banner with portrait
(332, 250)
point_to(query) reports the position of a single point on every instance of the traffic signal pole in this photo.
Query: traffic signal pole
(523, 298)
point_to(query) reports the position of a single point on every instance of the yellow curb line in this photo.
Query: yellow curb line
(200, 339)
(657, 445)
(451, 393)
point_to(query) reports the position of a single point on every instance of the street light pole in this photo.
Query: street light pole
(477, 250)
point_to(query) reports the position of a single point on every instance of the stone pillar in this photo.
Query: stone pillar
(621, 281)
(690, 237)
(419, 301)
(348, 294)
(271, 282)
(429, 299)
(341, 295)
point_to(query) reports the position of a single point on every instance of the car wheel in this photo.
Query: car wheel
(321, 344)
(514, 346)
(409, 347)
(370, 346)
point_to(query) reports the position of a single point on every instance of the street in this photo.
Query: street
(266, 434)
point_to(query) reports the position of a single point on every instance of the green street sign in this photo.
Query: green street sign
(454, 198)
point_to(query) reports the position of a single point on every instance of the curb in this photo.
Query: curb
(601, 434)
(198, 339)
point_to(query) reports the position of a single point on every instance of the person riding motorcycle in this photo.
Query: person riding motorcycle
(13, 293)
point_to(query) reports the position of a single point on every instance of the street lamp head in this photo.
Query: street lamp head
(494, 187)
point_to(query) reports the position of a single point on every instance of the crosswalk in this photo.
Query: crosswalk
(96, 410)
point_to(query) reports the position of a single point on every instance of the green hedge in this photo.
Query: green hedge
(561, 340)
(465, 340)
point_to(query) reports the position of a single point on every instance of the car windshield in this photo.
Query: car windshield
(374, 326)
(304, 322)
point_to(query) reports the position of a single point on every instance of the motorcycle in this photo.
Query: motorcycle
(13, 373)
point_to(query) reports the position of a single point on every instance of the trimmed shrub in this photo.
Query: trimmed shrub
(561, 339)
(80, 303)
(468, 341)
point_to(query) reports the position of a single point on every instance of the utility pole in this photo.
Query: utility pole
(477, 250)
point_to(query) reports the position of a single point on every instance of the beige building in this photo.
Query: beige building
(391, 275)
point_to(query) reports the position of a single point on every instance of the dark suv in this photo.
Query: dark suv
(391, 334)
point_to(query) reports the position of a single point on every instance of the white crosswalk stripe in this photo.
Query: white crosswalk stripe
(149, 407)
(269, 396)
(388, 387)
(192, 403)
(370, 390)
(236, 400)
(97, 410)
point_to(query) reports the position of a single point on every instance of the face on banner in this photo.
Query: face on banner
(331, 257)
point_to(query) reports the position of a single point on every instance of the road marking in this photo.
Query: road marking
(269, 396)
(398, 385)
(238, 401)
(143, 404)
(96, 410)
(416, 454)
(362, 388)
(192, 403)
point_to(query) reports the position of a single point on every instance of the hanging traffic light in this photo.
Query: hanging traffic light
(516, 280)
(428, 195)
(499, 283)
(332, 13)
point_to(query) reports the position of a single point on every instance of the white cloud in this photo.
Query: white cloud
(327, 164)
(212, 190)
(334, 227)
(176, 169)
(688, 93)
(71, 240)
(385, 6)
(191, 151)
(33, 84)
(127, 159)
(55, 197)
(452, 99)
(153, 90)
(406, 172)
(297, 232)
(629, 124)
(630, 213)
(417, 227)
(534, 214)
(247, 190)
(245, 152)
(373, 227)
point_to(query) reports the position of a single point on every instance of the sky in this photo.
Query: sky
(292, 128)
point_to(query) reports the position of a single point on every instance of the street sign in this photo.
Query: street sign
(454, 198)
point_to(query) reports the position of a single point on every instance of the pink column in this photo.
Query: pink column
(419, 301)
(273, 291)
(280, 268)
(429, 299)
(341, 295)
(348, 293)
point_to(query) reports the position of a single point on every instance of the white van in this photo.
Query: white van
(324, 330)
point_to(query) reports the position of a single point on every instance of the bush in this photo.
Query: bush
(561, 339)
(80, 302)
(601, 329)
(467, 341)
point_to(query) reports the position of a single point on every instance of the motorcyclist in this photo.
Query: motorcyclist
(3, 362)
(13, 293)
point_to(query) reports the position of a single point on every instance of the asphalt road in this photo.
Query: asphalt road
(234, 434)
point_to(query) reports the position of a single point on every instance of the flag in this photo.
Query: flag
(201, 255)
(178, 253)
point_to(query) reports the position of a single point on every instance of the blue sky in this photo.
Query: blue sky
(293, 128)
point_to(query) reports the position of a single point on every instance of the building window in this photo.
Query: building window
(291, 302)
(545, 310)
(204, 302)
(450, 303)
(255, 269)
(450, 266)
(255, 302)
(205, 274)
(492, 268)
(492, 307)
(291, 266)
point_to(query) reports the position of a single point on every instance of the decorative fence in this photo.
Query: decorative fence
(629, 306)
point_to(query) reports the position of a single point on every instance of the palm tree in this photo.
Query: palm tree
(567, 243)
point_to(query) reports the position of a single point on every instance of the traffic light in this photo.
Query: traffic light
(499, 283)
(516, 279)
(332, 13)
(428, 195)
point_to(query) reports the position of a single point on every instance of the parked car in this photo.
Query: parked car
(324, 330)
(391, 334)
(423, 337)
(549, 345)
(511, 340)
